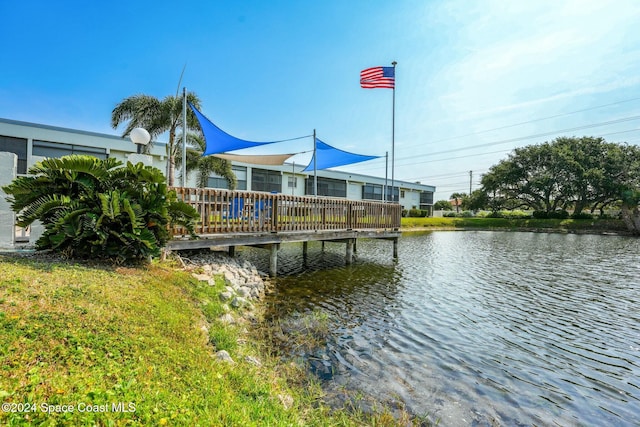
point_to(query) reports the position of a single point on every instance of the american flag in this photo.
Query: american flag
(378, 77)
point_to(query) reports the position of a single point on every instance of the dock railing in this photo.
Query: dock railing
(224, 211)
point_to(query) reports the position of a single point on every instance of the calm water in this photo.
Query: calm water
(479, 328)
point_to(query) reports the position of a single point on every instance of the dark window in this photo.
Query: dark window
(396, 192)
(217, 182)
(327, 187)
(57, 149)
(426, 198)
(241, 176)
(371, 192)
(266, 180)
(17, 146)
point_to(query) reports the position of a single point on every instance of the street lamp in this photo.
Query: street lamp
(140, 137)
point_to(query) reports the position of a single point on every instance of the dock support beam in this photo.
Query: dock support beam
(350, 246)
(232, 251)
(305, 249)
(273, 260)
(395, 248)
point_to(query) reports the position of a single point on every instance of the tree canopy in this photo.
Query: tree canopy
(442, 205)
(568, 173)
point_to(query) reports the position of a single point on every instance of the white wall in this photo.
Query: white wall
(8, 170)
(410, 199)
(354, 190)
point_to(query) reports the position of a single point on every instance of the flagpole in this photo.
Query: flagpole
(184, 137)
(386, 171)
(315, 169)
(393, 134)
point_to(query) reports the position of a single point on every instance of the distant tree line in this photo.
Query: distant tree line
(584, 174)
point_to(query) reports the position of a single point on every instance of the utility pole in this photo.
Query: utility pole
(470, 181)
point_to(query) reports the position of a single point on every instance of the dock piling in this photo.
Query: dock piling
(273, 260)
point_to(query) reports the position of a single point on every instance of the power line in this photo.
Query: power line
(531, 121)
(452, 174)
(505, 141)
(500, 151)
(455, 158)
(495, 152)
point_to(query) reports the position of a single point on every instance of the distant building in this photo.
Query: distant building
(33, 142)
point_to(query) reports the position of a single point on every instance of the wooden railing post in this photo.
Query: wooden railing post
(275, 215)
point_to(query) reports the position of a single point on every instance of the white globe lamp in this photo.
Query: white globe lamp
(140, 137)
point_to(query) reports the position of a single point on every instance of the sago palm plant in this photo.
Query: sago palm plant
(98, 208)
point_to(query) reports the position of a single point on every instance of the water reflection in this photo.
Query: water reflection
(481, 327)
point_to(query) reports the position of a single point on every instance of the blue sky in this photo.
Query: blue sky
(474, 79)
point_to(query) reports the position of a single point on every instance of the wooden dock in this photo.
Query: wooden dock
(248, 218)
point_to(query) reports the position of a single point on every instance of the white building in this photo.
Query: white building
(32, 142)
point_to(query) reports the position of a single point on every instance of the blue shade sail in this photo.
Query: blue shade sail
(328, 157)
(217, 140)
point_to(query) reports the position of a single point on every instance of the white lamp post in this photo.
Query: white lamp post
(140, 137)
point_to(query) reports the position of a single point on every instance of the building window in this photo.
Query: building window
(216, 181)
(327, 187)
(16, 146)
(292, 182)
(395, 193)
(57, 149)
(371, 192)
(241, 177)
(266, 180)
(402, 194)
(426, 198)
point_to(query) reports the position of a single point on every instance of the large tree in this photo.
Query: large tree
(567, 173)
(630, 187)
(527, 178)
(442, 205)
(476, 201)
(157, 117)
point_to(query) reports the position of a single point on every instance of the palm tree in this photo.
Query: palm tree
(205, 165)
(458, 197)
(157, 117)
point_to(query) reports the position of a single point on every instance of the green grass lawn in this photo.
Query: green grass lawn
(585, 225)
(113, 346)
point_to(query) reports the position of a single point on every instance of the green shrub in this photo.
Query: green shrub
(494, 214)
(93, 208)
(449, 214)
(417, 213)
(466, 214)
(540, 214)
(515, 214)
(582, 215)
(559, 214)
